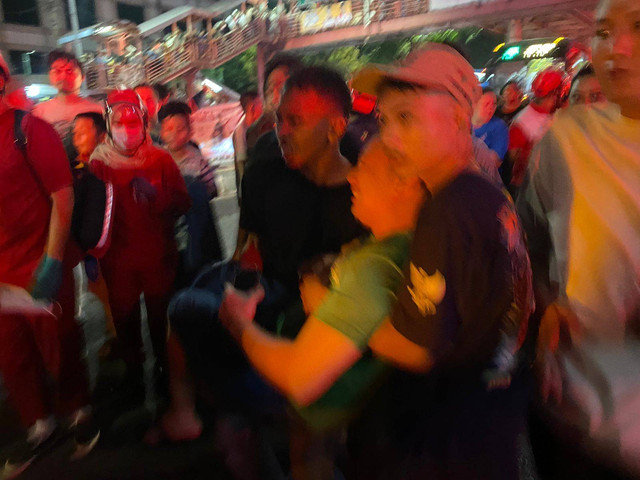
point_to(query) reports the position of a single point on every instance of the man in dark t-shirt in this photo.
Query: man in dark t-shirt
(462, 313)
(298, 206)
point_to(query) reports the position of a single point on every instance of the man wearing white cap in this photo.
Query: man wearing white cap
(36, 202)
(463, 311)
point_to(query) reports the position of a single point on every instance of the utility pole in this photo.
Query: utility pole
(75, 26)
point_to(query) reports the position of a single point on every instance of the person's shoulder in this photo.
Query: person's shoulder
(469, 199)
(91, 105)
(45, 106)
(498, 123)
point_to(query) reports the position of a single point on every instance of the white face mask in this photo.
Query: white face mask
(127, 140)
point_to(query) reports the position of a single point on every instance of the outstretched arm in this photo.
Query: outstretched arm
(302, 369)
(392, 346)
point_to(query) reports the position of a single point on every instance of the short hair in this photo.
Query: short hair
(59, 54)
(325, 81)
(162, 91)
(247, 98)
(281, 60)
(174, 108)
(586, 71)
(97, 119)
(510, 82)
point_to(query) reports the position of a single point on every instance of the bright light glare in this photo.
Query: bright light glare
(32, 90)
(212, 85)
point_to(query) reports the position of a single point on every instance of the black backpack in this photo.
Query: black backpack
(93, 206)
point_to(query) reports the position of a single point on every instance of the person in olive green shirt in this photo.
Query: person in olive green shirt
(325, 371)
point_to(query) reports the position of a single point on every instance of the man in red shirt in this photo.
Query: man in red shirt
(36, 203)
(149, 195)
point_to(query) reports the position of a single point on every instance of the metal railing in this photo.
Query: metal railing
(204, 51)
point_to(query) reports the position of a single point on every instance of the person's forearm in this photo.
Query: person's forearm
(60, 224)
(271, 356)
(392, 346)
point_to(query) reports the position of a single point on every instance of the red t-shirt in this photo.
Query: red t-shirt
(25, 211)
(143, 235)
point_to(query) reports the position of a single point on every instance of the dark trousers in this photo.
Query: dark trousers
(125, 283)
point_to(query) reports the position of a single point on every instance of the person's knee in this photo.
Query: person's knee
(190, 308)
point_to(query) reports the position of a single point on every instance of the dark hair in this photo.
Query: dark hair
(585, 71)
(97, 119)
(510, 82)
(325, 81)
(247, 98)
(58, 54)
(162, 91)
(487, 90)
(281, 60)
(174, 108)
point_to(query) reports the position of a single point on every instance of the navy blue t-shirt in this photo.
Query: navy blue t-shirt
(468, 292)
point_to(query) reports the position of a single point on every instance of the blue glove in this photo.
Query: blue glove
(143, 191)
(48, 279)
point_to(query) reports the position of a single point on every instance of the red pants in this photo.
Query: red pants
(26, 367)
(125, 283)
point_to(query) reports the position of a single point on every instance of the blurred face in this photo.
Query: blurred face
(511, 94)
(65, 76)
(150, 100)
(274, 87)
(616, 52)
(418, 129)
(367, 186)
(85, 136)
(175, 132)
(485, 108)
(304, 127)
(127, 128)
(585, 91)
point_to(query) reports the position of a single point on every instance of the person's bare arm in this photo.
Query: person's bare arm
(60, 224)
(391, 345)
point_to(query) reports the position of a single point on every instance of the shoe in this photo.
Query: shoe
(86, 437)
(40, 439)
(86, 433)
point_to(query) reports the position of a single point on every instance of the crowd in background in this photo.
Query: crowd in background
(450, 292)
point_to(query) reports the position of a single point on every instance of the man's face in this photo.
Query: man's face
(486, 107)
(85, 136)
(586, 90)
(148, 97)
(616, 50)
(175, 132)
(274, 87)
(511, 94)
(303, 126)
(418, 129)
(65, 76)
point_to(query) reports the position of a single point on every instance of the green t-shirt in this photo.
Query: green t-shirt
(363, 290)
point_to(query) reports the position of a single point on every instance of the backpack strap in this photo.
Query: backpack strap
(20, 139)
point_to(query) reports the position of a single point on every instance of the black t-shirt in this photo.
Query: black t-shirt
(294, 219)
(468, 292)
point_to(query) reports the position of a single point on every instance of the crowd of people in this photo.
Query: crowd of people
(457, 299)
